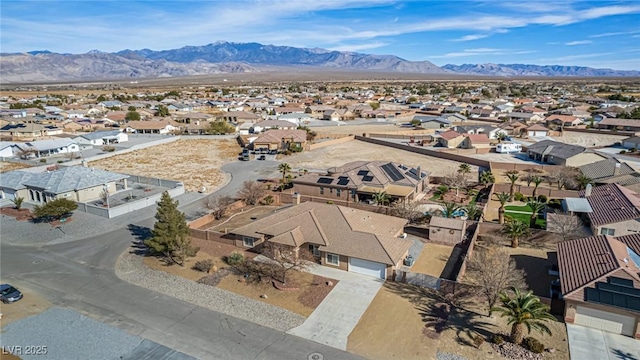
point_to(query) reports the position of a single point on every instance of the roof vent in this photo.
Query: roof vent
(587, 191)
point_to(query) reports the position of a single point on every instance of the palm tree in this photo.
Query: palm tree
(17, 201)
(381, 198)
(524, 311)
(473, 212)
(583, 181)
(503, 198)
(284, 168)
(464, 168)
(537, 180)
(513, 177)
(501, 136)
(536, 207)
(515, 229)
(487, 178)
(449, 208)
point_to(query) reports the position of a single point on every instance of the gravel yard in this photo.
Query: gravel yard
(588, 139)
(195, 162)
(6, 166)
(337, 155)
(131, 269)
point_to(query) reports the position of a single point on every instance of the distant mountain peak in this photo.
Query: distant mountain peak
(95, 51)
(490, 69)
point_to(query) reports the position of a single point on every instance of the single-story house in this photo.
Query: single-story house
(475, 141)
(359, 181)
(102, 138)
(631, 142)
(331, 115)
(489, 130)
(77, 183)
(537, 130)
(280, 139)
(612, 171)
(450, 139)
(616, 210)
(7, 149)
(620, 124)
(563, 120)
(238, 117)
(557, 153)
(345, 238)
(447, 231)
(152, 127)
(432, 122)
(42, 148)
(28, 130)
(600, 283)
(272, 124)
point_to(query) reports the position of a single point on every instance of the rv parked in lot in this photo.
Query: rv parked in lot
(508, 147)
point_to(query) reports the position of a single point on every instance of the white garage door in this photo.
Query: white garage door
(606, 321)
(366, 267)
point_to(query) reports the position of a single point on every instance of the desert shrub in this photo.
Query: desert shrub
(498, 339)
(442, 189)
(60, 161)
(330, 202)
(203, 265)
(43, 160)
(478, 340)
(518, 197)
(532, 344)
(235, 259)
(632, 149)
(542, 198)
(268, 200)
(623, 151)
(108, 149)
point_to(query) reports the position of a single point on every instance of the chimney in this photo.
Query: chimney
(296, 199)
(587, 190)
(616, 170)
(419, 172)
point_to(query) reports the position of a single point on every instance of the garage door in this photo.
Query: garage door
(603, 320)
(366, 267)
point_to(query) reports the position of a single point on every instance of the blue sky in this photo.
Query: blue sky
(552, 32)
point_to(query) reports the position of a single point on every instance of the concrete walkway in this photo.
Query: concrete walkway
(332, 321)
(592, 344)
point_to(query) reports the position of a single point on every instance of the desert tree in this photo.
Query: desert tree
(472, 211)
(501, 136)
(17, 202)
(449, 208)
(456, 181)
(493, 270)
(487, 178)
(284, 168)
(583, 181)
(381, 198)
(563, 177)
(537, 180)
(287, 258)
(219, 205)
(132, 116)
(409, 211)
(513, 176)
(55, 209)
(536, 207)
(567, 227)
(170, 233)
(251, 192)
(464, 169)
(515, 229)
(524, 311)
(503, 198)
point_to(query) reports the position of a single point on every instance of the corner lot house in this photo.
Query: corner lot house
(77, 183)
(616, 210)
(102, 138)
(341, 237)
(281, 139)
(558, 153)
(600, 283)
(358, 181)
(152, 127)
(43, 148)
(537, 130)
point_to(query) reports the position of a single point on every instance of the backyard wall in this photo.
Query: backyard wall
(331, 142)
(528, 191)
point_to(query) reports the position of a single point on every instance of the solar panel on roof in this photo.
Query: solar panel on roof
(618, 289)
(343, 180)
(620, 282)
(413, 173)
(363, 172)
(325, 180)
(600, 296)
(392, 172)
(367, 178)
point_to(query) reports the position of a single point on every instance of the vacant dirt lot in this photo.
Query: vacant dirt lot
(31, 304)
(10, 166)
(337, 155)
(588, 140)
(367, 128)
(195, 162)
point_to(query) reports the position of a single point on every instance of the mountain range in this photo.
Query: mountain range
(226, 57)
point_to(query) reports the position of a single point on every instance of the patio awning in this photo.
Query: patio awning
(580, 205)
(393, 190)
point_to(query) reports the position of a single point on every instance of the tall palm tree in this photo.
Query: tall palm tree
(536, 207)
(487, 178)
(513, 177)
(503, 198)
(464, 168)
(449, 207)
(381, 198)
(583, 181)
(537, 180)
(284, 168)
(524, 311)
(473, 212)
(515, 229)
(501, 136)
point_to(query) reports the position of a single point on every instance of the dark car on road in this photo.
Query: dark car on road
(262, 157)
(9, 294)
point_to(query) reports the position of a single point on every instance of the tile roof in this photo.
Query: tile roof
(14, 180)
(612, 203)
(536, 127)
(447, 223)
(450, 135)
(584, 261)
(146, 125)
(275, 123)
(337, 229)
(71, 178)
(99, 134)
(276, 136)
(606, 168)
(620, 122)
(555, 148)
(478, 138)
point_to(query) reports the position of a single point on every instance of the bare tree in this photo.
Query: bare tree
(219, 205)
(251, 192)
(563, 177)
(456, 181)
(287, 258)
(568, 227)
(409, 211)
(492, 270)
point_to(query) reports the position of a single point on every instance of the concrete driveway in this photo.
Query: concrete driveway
(332, 321)
(593, 344)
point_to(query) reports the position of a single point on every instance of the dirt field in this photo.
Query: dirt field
(432, 259)
(392, 328)
(6, 166)
(337, 155)
(368, 128)
(195, 162)
(588, 140)
(31, 304)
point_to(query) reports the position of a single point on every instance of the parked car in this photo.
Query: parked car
(262, 157)
(9, 294)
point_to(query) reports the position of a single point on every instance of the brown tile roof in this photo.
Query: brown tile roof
(537, 127)
(620, 122)
(612, 203)
(478, 138)
(584, 261)
(450, 135)
(138, 125)
(337, 229)
(632, 241)
(276, 136)
(447, 223)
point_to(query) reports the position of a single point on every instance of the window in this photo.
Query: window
(338, 191)
(606, 231)
(248, 241)
(314, 249)
(333, 259)
(321, 190)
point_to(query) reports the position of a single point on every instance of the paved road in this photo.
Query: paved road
(593, 344)
(80, 275)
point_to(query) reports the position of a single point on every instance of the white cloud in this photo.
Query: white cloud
(613, 34)
(471, 37)
(480, 52)
(579, 42)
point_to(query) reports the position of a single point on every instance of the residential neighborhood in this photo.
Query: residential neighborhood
(378, 220)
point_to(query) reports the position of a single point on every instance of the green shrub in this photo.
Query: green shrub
(108, 149)
(532, 344)
(43, 160)
(623, 151)
(330, 202)
(542, 198)
(60, 161)
(268, 200)
(518, 197)
(632, 149)
(498, 339)
(203, 265)
(235, 259)
(442, 189)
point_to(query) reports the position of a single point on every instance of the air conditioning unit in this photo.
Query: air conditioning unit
(403, 236)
